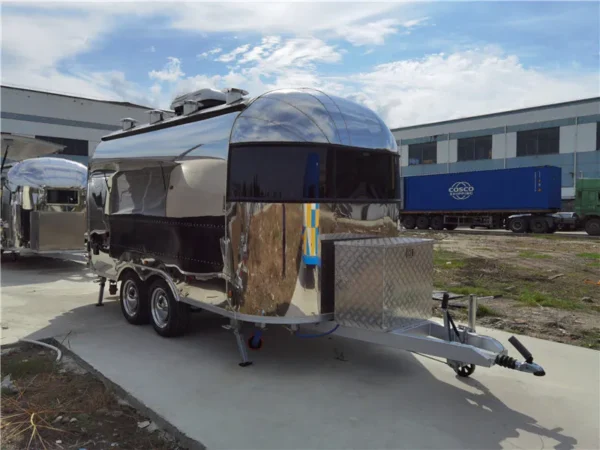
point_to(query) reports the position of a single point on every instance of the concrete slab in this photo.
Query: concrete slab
(37, 289)
(302, 393)
(299, 394)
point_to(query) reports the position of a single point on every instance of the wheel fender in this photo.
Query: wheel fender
(159, 274)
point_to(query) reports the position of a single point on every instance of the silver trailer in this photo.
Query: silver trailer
(43, 199)
(270, 211)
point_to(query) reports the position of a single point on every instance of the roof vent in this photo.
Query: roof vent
(191, 106)
(128, 123)
(232, 95)
(156, 115)
(204, 98)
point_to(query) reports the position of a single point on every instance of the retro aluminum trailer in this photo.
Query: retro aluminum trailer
(269, 211)
(43, 199)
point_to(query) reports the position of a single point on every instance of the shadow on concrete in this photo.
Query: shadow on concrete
(395, 401)
(35, 269)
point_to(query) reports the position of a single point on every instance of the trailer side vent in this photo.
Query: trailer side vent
(234, 94)
(128, 123)
(156, 115)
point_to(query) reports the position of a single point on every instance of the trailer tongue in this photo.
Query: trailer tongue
(279, 210)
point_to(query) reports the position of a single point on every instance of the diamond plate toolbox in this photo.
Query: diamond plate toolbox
(383, 283)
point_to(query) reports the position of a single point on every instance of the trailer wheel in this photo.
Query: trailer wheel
(519, 225)
(169, 317)
(592, 226)
(134, 299)
(450, 227)
(422, 222)
(437, 223)
(409, 222)
(539, 225)
(462, 370)
(254, 343)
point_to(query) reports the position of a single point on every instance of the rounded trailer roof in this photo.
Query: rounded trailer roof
(48, 172)
(285, 115)
(309, 115)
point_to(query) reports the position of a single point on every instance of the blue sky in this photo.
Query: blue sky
(412, 62)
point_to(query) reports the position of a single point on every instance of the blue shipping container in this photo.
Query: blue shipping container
(511, 190)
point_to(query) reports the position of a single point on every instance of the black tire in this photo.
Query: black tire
(422, 222)
(450, 227)
(409, 222)
(437, 223)
(255, 345)
(519, 225)
(592, 226)
(168, 316)
(133, 297)
(464, 370)
(539, 225)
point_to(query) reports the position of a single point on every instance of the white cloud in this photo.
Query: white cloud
(151, 49)
(171, 71)
(214, 51)
(369, 33)
(232, 55)
(478, 81)
(404, 92)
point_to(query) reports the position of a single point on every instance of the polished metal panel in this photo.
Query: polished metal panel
(270, 277)
(383, 284)
(47, 172)
(57, 231)
(308, 115)
(19, 148)
(210, 137)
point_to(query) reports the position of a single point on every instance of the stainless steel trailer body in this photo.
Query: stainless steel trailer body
(43, 200)
(273, 210)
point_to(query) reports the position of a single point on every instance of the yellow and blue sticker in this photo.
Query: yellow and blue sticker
(310, 234)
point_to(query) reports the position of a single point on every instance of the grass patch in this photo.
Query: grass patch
(589, 255)
(19, 368)
(533, 255)
(531, 298)
(486, 311)
(591, 339)
(441, 258)
(593, 264)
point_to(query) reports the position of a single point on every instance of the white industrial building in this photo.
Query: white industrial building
(566, 135)
(75, 122)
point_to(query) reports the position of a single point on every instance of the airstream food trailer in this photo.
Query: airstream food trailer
(272, 210)
(43, 199)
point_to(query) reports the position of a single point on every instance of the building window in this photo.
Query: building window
(425, 153)
(538, 142)
(77, 147)
(472, 149)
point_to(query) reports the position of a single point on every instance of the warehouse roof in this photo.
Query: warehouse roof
(127, 104)
(502, 113)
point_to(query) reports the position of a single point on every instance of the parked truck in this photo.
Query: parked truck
(587, 205)
(522, 199)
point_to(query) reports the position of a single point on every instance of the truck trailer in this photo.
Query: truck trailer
(522, 199)
(273, 210)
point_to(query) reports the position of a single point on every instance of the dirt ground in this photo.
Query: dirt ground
(57, 406)
(543, 286)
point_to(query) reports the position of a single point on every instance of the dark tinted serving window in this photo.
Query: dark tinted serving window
(62, 197)
(298, 173)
